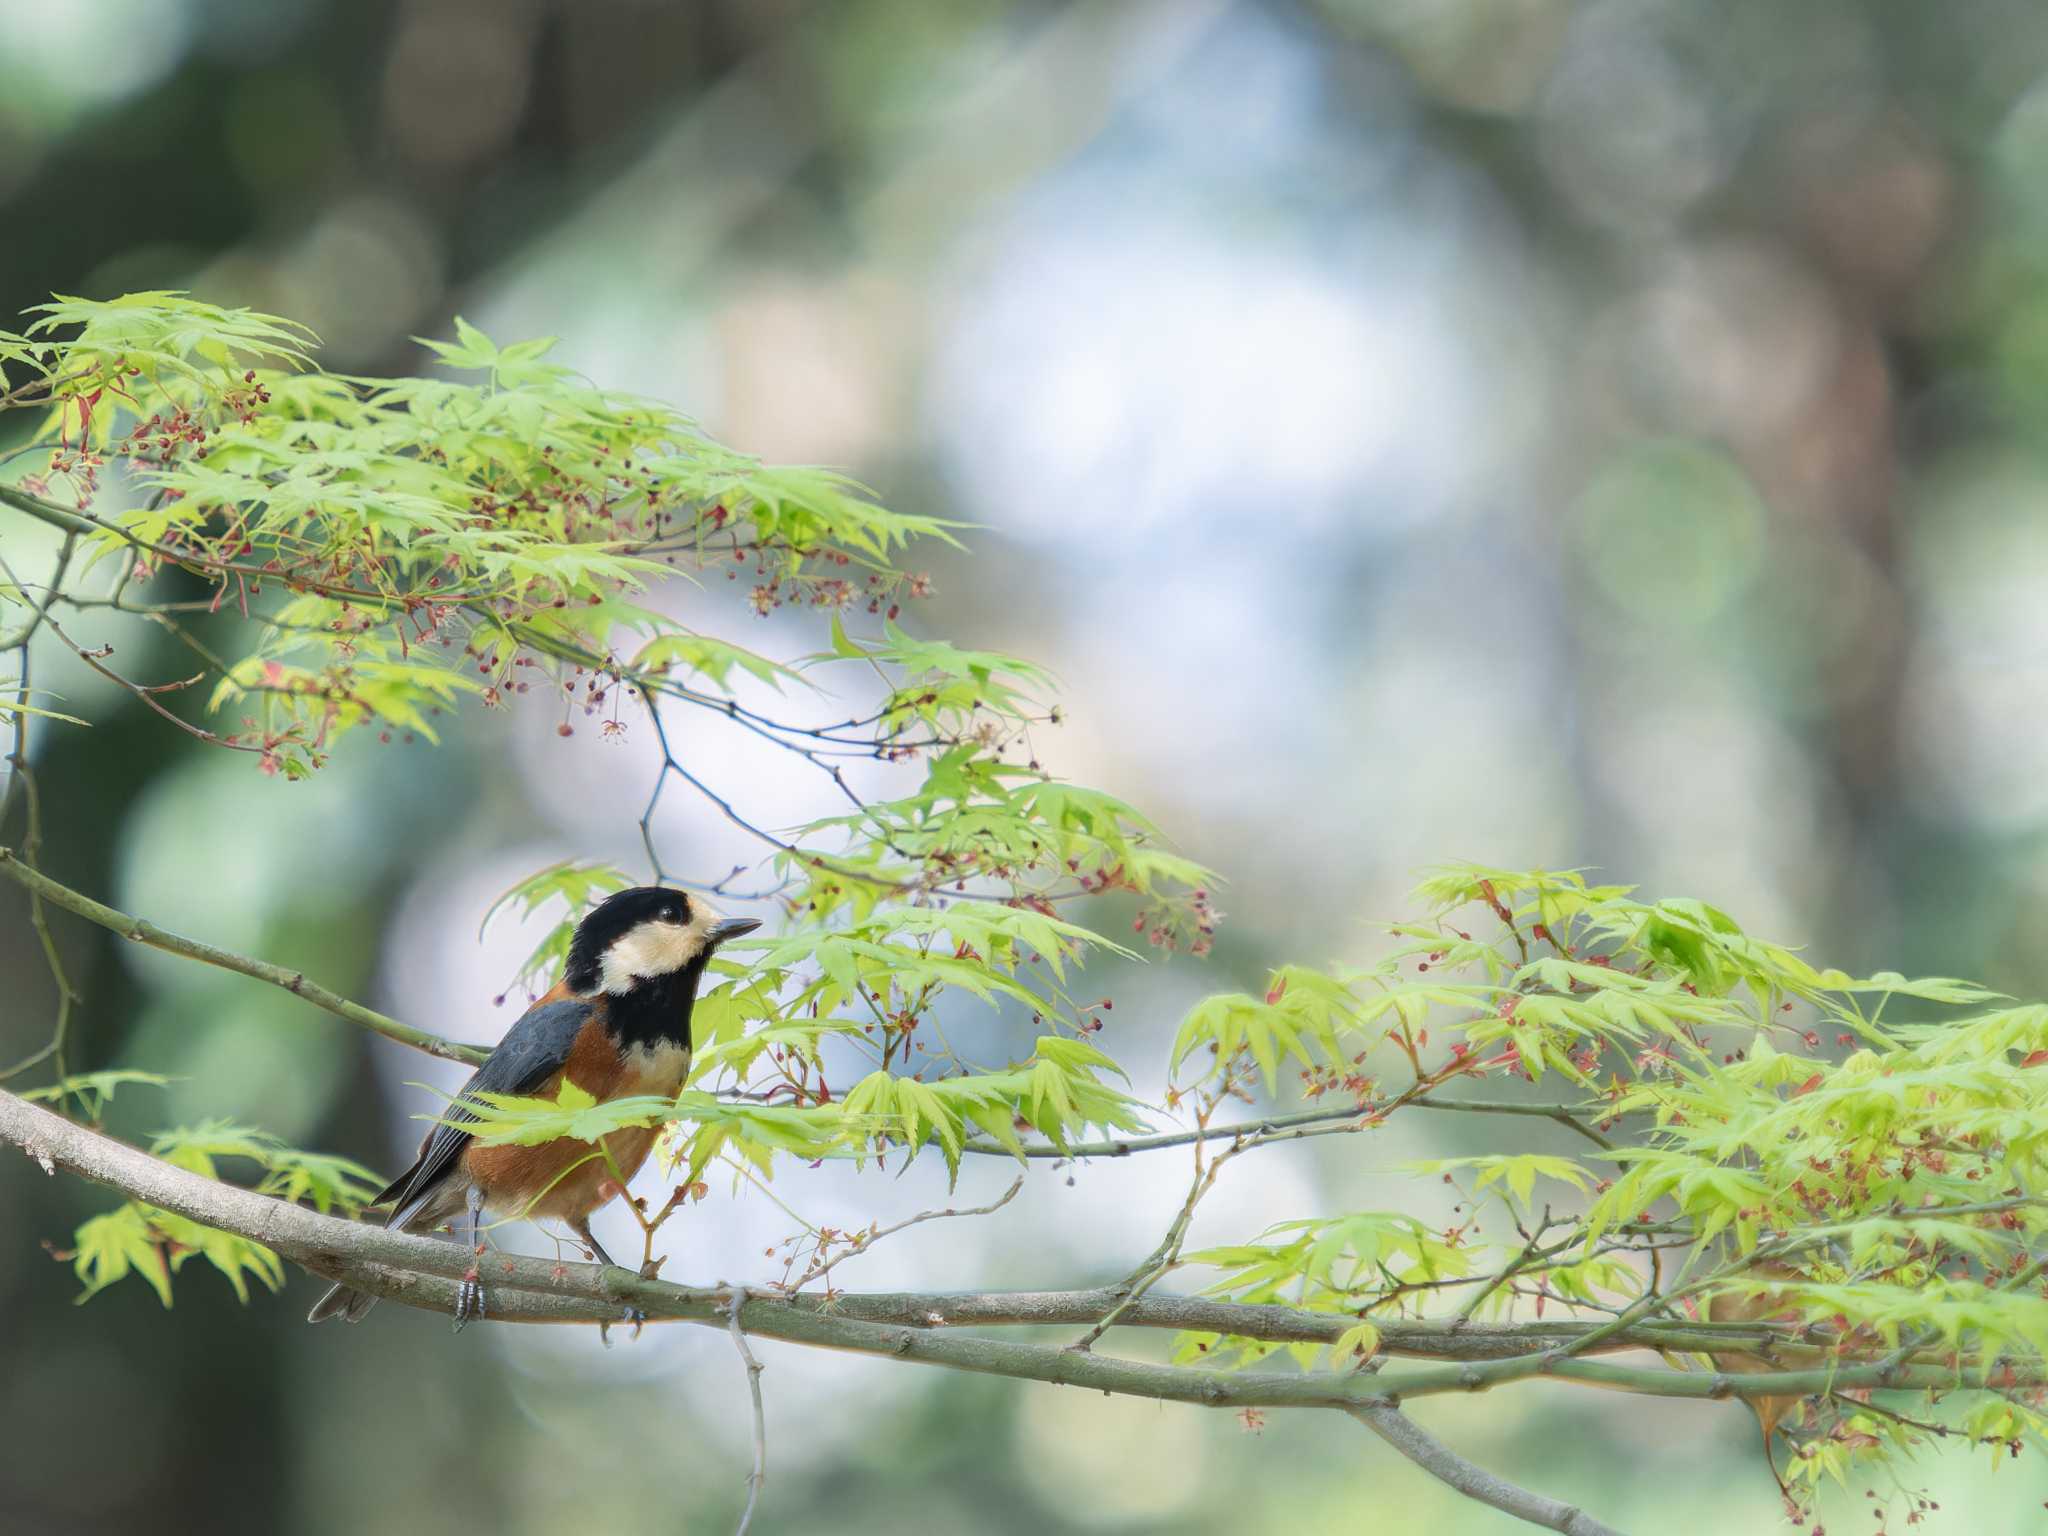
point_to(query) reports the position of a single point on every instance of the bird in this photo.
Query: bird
(616, 1024)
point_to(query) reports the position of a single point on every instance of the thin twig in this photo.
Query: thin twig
(864, 1243)
(22, 774)
(1508, 1271)
(760, 1473)
(1557, 1112)
(147, 693)
(1165, 1258)
(1276, 1127)
(141, 931)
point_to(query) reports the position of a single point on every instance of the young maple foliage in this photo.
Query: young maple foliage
(1819, 1191)
(401, 546)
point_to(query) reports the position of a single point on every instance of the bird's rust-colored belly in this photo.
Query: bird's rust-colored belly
(569, 1178)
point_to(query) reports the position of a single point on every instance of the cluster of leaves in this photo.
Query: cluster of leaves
(1875, 1185)
(1057, 1093)
(398, 546)
(840, 1014)
(403, 545)
(1344, 1264)
(144, 1240)
(397, 535)
(857, 996)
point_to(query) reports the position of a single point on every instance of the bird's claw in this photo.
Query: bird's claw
(469, 1300)
(634, 1318)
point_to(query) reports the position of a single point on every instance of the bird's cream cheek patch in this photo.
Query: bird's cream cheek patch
(657, 949)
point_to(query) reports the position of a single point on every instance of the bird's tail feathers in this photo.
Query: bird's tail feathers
(351, 1306)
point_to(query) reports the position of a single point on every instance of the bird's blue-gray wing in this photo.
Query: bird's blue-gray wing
(534, 1049)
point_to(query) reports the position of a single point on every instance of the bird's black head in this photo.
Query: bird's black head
(646, 934)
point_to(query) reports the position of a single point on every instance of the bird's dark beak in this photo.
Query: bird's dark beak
(732, 928)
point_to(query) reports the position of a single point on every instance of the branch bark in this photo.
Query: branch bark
(141, 931)
(923, 1328)
(920, 1326)
(1472, 1480)
(423, 1272)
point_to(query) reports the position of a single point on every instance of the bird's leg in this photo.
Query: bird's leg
(469, 1295)
(581, 1227)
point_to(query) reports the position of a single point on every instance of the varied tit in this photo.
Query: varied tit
(617, 1024)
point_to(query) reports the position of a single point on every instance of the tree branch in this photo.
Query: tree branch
(1472, 1480)
(141, 931)
(422, 1272)
(1421, 1338)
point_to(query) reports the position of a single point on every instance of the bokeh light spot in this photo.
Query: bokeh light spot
(1671, 532)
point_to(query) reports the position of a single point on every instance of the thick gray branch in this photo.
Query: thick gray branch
(925, 1328)
(422, 1272)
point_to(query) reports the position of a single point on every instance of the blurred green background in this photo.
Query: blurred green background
(1596, 434)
